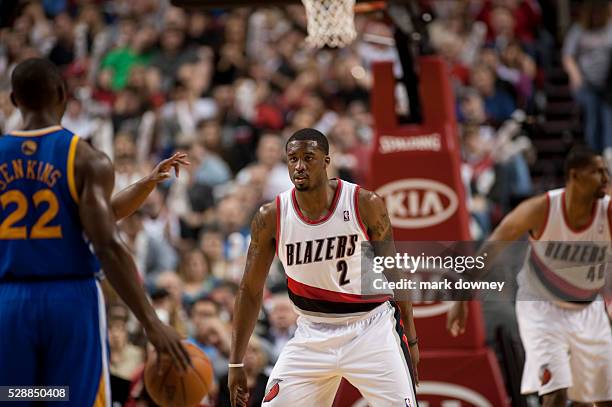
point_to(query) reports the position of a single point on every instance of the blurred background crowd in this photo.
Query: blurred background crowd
(229, 86)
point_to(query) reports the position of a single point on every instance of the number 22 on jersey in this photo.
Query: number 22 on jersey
(18, 202)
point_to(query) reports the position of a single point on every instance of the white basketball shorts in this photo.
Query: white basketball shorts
(368, 352)
(566, 348)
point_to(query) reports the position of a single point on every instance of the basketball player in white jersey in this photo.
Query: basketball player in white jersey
(317, 229)
(562, 319)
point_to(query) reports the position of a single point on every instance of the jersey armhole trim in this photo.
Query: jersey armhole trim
(545, 219)
(359, 220)
(278, 214)
(70, 168)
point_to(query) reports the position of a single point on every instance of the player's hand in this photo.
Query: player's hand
(415, 358)
(237, 383)
(166, 340)
(456, 318)
(161, 172)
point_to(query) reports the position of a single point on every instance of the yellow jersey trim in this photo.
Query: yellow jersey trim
(100, 400)
(35, 133)
(70, 168)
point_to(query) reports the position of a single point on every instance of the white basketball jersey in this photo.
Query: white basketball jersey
(322, 258)
(565, 265)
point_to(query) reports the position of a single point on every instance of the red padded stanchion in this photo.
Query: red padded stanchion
(416, 167)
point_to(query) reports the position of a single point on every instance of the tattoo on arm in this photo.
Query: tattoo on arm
(257, 226)
(262, 238)
(381, 229)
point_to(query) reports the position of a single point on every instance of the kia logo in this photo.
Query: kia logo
(418, 202)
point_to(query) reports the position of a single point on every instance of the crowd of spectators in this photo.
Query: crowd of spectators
(587, 59)
(496, 51)
(229, 87)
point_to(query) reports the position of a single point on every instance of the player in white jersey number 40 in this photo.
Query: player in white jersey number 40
(561, 314)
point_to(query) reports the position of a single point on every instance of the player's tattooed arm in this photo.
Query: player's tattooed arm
(381, 229)
(373, 211)
(249, 298)
(261, 250)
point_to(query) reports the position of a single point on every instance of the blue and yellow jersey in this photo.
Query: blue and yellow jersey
(41, 236)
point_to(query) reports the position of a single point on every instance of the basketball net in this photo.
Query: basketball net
(330, 22)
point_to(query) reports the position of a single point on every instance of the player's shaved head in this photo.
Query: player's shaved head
(37, 84)
(310, 135)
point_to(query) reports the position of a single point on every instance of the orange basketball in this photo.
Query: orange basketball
(173, 389)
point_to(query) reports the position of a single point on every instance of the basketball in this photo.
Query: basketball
(171, 388)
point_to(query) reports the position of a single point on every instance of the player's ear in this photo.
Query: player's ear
(573, 174)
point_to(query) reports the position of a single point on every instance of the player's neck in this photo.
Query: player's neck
(315, 203)
(39, 120)
(578, 207)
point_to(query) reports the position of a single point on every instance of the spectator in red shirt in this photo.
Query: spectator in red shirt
(526, 13)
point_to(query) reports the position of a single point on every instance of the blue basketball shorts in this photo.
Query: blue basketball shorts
(53, 333)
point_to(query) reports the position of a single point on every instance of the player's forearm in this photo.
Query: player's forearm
(408, 319)
(247, 308)
(121, 272)
(128, 200)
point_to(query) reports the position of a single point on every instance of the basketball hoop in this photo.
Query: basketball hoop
(330, 22)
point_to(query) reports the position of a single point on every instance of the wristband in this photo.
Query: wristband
(235, 365)
(414, 341)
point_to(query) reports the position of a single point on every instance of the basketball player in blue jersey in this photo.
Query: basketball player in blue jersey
(560, 312)
(316, 230)
(55, 199)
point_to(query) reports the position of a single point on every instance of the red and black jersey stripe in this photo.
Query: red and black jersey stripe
(319, 300)
(556, 285)
(331, 307)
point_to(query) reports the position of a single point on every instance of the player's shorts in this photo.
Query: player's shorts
(369, 353)
(566, 349)
(53, 333)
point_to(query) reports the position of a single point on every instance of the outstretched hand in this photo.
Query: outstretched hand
(161, 172)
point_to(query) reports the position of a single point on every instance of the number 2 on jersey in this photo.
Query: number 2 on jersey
(40, 230)
(342, 268)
